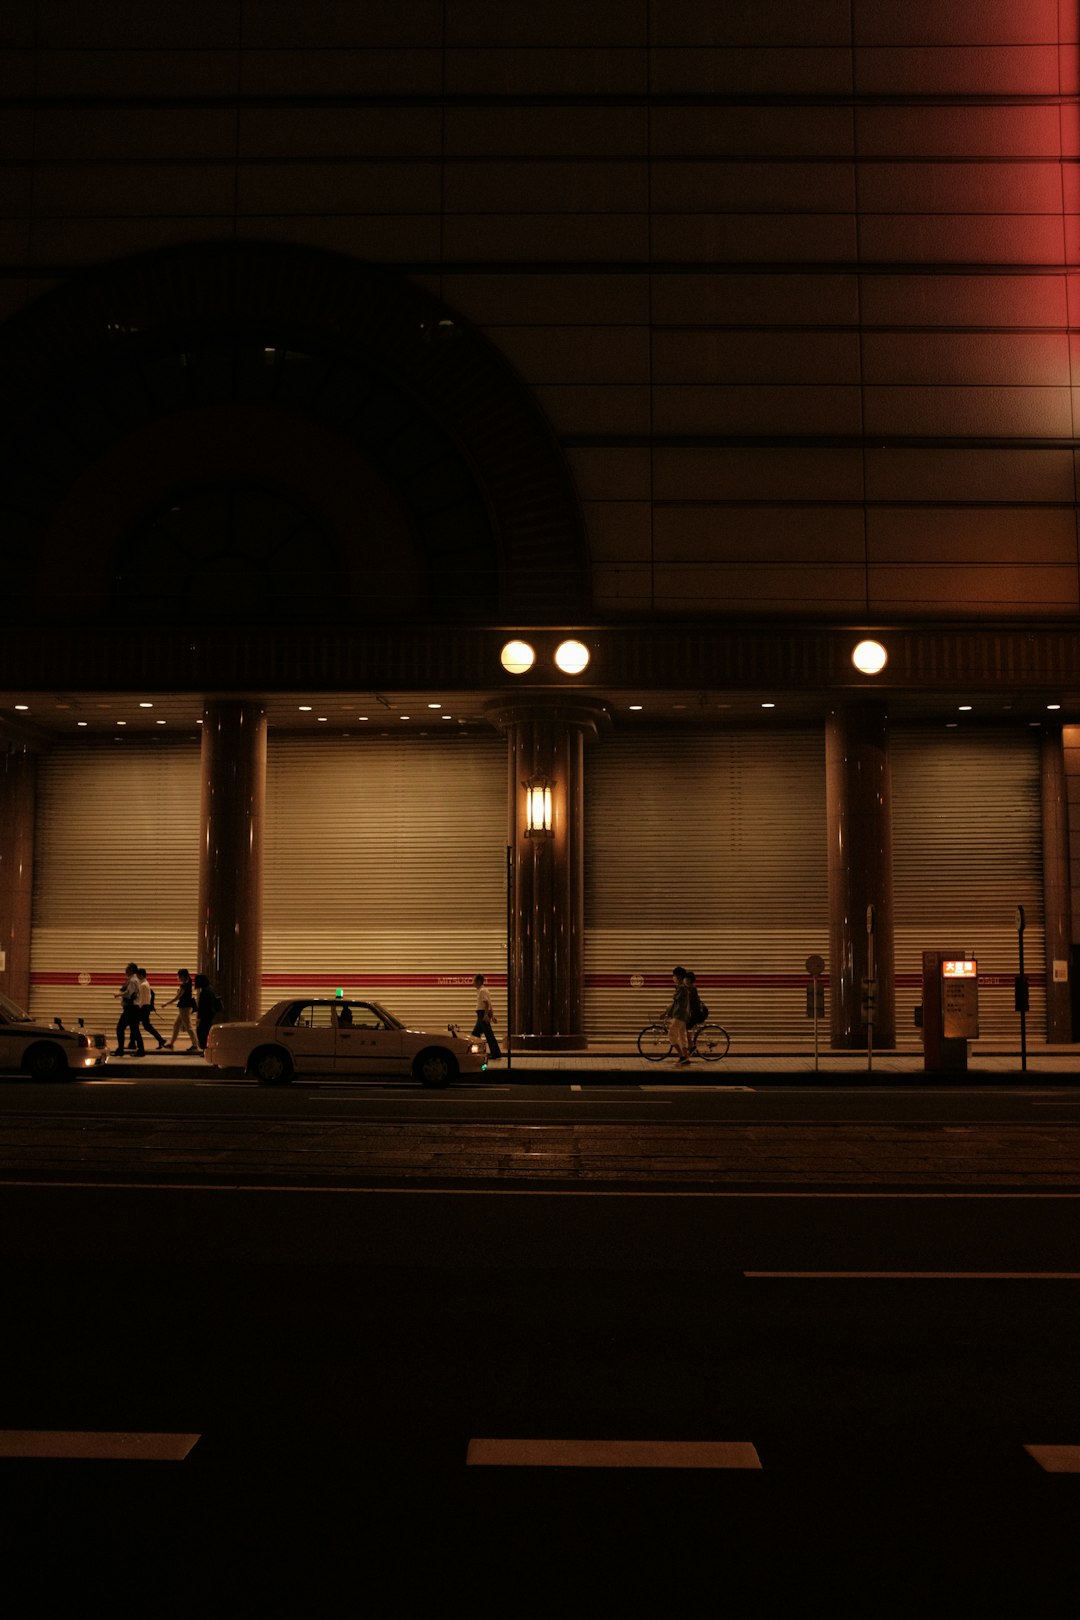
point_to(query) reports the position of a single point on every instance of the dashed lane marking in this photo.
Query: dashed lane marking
(100, 1445)
(612, 1454)
(1056, 1459)
(918, 1276)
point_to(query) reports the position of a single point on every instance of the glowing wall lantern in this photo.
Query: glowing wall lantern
(537, 807)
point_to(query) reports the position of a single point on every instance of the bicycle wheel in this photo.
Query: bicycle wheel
(654, 1042)
(712, 1042)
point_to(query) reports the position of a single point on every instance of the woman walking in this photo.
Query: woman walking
(185, 1007)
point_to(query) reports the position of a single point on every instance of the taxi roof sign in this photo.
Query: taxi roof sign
(967, 969)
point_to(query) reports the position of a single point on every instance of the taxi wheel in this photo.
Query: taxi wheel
(271, 1066)
(435, 1067)
(46, 1062)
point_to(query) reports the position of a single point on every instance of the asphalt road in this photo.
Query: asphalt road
(347, 1292)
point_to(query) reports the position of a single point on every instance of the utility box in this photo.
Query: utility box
(950, 1009)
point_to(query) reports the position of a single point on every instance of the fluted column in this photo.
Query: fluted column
(18, 793)
(545, 973)
(231, 853)
(1057, 898)
(859, 820)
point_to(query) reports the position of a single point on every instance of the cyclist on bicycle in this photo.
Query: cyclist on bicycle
(698, 1012)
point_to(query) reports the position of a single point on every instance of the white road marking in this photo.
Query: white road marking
(922, 1276)
(1056, 1459)
(105, 1445)
(612, 1454)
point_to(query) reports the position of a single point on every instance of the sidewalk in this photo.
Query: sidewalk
(760, 1061)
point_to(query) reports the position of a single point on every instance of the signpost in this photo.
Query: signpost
(815, 966)
(869, 990)
(1021, 997)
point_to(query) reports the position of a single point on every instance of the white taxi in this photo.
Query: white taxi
(46, 1051)
(332, 1035)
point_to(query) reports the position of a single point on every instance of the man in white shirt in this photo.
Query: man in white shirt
(485, 1017)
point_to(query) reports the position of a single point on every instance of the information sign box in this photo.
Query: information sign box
(960, 999)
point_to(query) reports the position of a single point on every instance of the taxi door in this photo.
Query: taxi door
(364, 1044)
(310, 1038)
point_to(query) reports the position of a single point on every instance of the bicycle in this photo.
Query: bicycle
(707, 1041)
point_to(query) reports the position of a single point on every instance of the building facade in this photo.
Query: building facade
(343, 346)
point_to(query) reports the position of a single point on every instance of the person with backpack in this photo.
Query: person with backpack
(208, 1009)
(677, 1014)
(698, 1010)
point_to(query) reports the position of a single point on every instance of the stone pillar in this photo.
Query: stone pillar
(859, 820)
(231, 853)
(1057, 899)
(545, 974)
(18, 796)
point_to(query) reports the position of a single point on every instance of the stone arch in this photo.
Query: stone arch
(271, 414)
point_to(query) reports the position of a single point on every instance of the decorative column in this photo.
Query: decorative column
(18, 796)
(231, 853)
(1057, 899)
(546, 922)
(859, 820)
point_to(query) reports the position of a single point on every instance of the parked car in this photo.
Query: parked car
(46, 1051)
(331, 1035)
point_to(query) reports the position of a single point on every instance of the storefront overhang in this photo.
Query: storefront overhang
(55, 682)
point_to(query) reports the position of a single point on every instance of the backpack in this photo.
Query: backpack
(703, 1011)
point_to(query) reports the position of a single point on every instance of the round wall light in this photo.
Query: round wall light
(571, 657)
(870, 657)
(517, 657)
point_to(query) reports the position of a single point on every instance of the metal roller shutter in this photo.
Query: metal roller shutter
(116, 875)
(384, 872)
(967, 850)
(707, 849)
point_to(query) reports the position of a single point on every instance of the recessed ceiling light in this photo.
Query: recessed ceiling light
(517, 657)
(1053, 705)
(146, 705)
(321, 719)
(121, 722)
(636, 707)
(23, 708)
(768, 705)
(160, 722)
(434, 705)
(965, 708)
(82, 722)
(361, 717)
(404, 716)
(869, 657)
(446, 717)
(572, 657)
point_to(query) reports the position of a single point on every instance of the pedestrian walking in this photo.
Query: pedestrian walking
(148, 1005)
(184, 1000)
(677, 1015)
(128, 1024)
(207, 1009)
(485, 1017)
